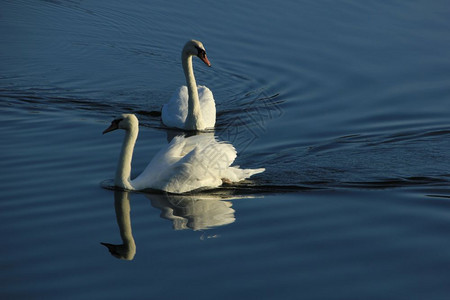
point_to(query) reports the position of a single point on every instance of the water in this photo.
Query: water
(344, 103)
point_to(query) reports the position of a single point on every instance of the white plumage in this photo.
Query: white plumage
(191, 107)
(184, 165)
(174, 112)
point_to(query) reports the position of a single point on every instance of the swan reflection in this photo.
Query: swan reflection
(127, 249)
(195, 212)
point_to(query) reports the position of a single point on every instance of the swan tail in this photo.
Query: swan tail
(235, 174)
(251, 172)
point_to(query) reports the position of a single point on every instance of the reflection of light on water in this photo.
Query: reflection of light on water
(205, 237)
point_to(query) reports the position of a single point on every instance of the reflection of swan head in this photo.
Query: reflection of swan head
(123, 251)
(196, 48)
(125, 121)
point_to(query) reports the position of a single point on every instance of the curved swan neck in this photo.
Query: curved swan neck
(123, 171)
(194, 119)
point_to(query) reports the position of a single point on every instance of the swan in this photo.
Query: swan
(191, 107)
(184, 165)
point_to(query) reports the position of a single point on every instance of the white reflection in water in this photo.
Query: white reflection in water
(196, 212)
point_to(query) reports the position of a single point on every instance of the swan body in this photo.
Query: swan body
(184, 165)
(191, 107)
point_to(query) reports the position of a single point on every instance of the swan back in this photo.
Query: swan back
(188, 164)
(174, 113)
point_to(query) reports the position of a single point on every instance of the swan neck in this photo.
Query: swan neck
(194, 119)
(123, 171)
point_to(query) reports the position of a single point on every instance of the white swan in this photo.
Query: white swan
(191, 107)
(184, 165)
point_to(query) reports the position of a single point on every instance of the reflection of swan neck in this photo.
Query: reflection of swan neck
(122, 206)
(194, 119)
(123, 171)
(127, 249)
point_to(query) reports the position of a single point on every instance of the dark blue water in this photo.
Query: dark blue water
(346, 104)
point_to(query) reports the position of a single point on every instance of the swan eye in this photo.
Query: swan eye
(117, 121)
(200, 52)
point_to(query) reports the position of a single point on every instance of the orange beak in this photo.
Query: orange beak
(204, 58)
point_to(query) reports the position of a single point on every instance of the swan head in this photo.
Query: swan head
(125, 121)
(196, 48)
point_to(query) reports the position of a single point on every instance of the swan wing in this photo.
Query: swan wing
(175, 111)
(188, 175)
(159, 167)
(217, 158)
(207, 105)
(204, 162)
(212, 154)
(187, 164)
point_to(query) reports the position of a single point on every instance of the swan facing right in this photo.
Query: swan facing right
(191, 107)
(185, 164)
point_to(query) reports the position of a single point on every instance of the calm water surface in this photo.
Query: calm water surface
(346, 104)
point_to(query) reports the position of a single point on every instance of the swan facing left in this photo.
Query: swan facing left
(184, 165)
